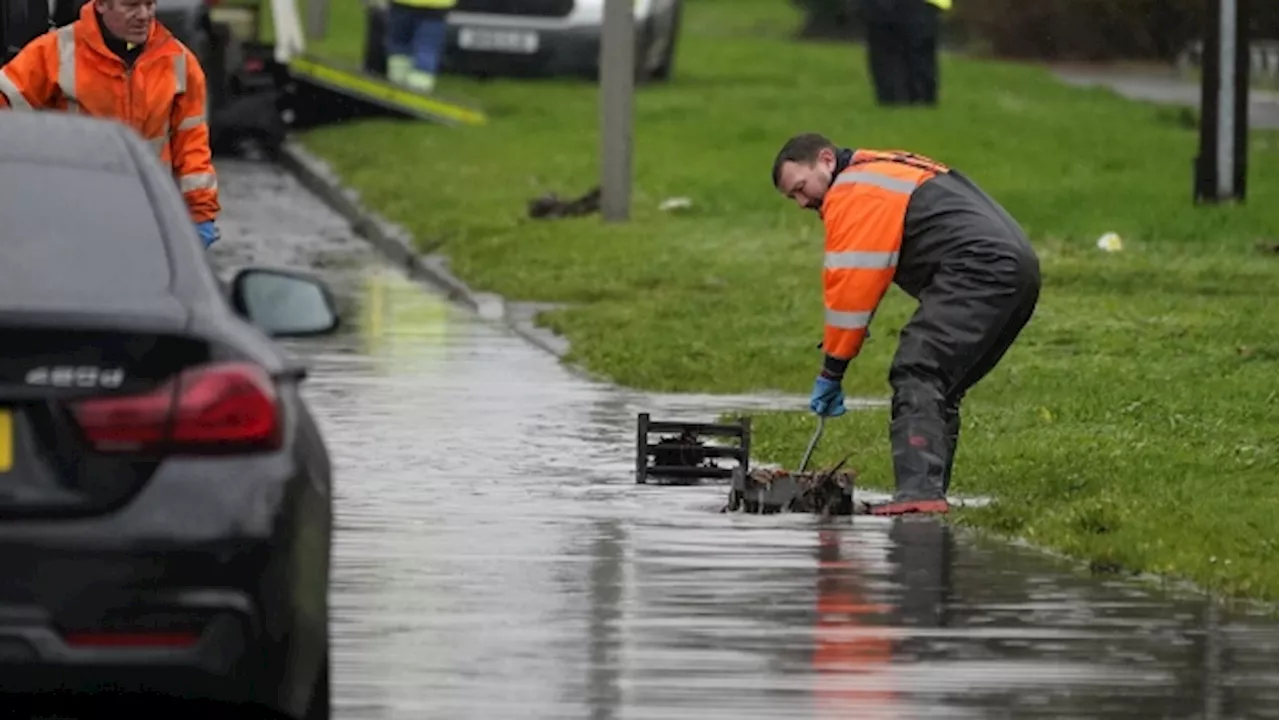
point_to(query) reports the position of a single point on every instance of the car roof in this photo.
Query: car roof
(33, 140)
(80, 142)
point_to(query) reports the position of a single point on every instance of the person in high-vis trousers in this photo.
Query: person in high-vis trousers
(416, 34)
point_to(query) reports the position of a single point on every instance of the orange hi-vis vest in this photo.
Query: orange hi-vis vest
(864, 212)
(162, 96)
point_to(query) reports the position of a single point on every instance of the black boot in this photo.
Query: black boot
(920, 455)
(952, 417)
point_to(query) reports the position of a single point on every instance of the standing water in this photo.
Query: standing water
(495, 559)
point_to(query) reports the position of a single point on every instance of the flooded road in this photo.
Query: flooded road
(495, 559)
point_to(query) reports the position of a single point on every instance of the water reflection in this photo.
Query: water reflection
(853, 653)
(605, 645)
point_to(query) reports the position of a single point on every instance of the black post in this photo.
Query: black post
(642, 448)
(1221, 166)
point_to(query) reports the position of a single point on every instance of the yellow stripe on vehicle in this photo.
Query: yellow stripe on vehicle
(6, 440)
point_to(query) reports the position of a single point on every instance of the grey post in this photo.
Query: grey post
(1224, 104)
(617, 85)
(317, 18)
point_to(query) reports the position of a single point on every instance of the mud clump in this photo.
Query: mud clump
(552, 206)
(819, 492)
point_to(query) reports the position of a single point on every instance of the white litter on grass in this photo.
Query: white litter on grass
(1110, 242)
(675, 203)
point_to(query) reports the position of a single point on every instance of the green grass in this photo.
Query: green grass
(1133, 426)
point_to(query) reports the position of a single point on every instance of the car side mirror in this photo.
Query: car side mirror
(284, 303)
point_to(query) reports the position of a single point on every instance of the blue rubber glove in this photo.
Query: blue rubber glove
(827, 397)
(208, 232)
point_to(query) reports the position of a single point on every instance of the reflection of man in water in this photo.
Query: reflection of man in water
(853, 650)
(854, 637)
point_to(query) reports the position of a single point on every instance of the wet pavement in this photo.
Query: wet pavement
(495, 559)
(1166, 87)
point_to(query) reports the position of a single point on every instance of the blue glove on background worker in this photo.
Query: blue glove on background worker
(827, 397)
(208, 232)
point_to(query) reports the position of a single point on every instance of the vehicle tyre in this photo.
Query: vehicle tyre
(665, 68)
(375, 50)
(645, 39)
(319, 709)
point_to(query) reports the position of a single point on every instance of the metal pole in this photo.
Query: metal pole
(1224, 105)
(617, 86)
(317, 18)
(1226, 101)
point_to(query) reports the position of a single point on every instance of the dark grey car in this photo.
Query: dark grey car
(165, 495)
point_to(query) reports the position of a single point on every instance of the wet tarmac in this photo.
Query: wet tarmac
(495, 559)
(1166, 87)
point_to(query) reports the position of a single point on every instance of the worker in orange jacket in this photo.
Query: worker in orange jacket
(117, 61)
(900, 217)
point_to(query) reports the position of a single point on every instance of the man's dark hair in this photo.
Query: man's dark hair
(803, 148)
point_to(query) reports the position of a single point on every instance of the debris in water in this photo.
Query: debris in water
(553, 206)
(821, 492)
(684, 450)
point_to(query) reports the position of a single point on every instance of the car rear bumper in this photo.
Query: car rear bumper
(560, 51)
(37, 656)
(102, 629)
(186, 592)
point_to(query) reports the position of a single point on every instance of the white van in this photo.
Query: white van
(554, 37)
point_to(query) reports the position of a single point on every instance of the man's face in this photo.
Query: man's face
(807, 183)
(129, 20)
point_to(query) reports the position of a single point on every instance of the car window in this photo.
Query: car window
(84, 231)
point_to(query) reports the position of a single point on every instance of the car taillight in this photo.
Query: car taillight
(219, 407)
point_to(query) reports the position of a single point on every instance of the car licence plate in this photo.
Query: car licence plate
(520, 42)
(6, 440)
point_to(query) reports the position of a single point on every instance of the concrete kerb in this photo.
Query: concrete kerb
(396, 244)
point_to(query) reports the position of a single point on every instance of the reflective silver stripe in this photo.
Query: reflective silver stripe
(847, 320)
(179, 73)
(860, 260)
(198, 181)
(191, 123)
(158, 143)
(870, 178)
(11, 91)
(67, 66)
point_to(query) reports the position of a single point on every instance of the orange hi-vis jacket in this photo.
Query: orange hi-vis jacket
(162, 96)
(864, 213)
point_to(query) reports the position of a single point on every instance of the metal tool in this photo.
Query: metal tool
(813, 443)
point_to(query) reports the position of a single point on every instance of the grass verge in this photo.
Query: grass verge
(1133, 426)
